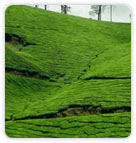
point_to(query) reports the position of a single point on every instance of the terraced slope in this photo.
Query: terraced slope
(66, 76)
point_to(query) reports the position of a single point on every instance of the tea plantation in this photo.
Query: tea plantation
(66, 76)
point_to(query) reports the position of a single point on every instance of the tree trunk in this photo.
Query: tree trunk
(65, 9)
(111, 13)
(45, 7)
(62, 8)
(99, 12)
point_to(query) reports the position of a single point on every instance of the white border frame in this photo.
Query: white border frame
(3, 137)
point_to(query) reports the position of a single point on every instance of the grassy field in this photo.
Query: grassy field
(66, 76)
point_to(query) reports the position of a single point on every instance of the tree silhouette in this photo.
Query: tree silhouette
(36, 6)
(45, 7)
(65, 9)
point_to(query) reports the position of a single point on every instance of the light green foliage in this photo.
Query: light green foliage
(66, 44)
(107, 65)
(114, 126)
(103, 93)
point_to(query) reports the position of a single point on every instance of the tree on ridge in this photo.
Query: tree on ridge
(97, 10)
(65, 9)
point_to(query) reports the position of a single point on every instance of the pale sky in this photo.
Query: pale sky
(120, 12)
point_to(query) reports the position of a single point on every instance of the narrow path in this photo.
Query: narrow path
(27, 73)
(75, 110)
(105, 78)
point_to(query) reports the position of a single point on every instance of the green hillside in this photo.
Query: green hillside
(66, 76)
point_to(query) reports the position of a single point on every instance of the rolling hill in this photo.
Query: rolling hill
(66, 76)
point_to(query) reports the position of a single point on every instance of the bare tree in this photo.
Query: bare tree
(65, 9)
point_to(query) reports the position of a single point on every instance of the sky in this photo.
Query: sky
(120, 13)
